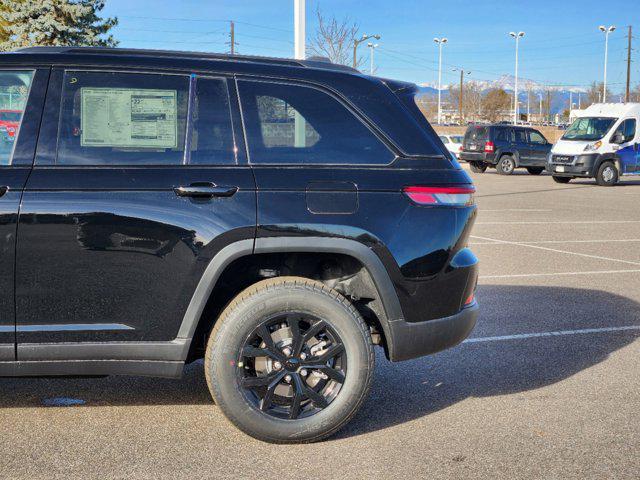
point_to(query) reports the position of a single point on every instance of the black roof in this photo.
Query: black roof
(313, 62)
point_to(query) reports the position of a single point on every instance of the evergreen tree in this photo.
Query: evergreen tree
(28, 23)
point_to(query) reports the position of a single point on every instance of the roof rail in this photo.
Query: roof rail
(313, 62)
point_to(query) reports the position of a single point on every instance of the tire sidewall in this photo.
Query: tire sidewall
(506, 160)
(600, 176)
(241, 322)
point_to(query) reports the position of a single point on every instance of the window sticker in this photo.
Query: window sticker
(129, 118)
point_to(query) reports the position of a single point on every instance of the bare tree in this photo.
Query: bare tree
(334, 39)
(594, 94)
(471, 99)
(635, 94)
(495, 102)
(428, 105)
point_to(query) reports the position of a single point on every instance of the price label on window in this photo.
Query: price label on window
(129, 118)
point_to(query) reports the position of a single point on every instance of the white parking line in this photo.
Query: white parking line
(540, 242)
(585, 222)
(538, 247)
(526, 275)
(551, 334)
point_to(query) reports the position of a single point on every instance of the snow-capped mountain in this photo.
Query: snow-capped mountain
(507, 82)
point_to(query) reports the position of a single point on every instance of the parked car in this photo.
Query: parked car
(505, 147)
(602, 143)
(276, 217)
(452, 142)
(9, 120)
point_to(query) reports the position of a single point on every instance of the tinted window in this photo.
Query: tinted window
(293, 124)
(520, 136)
(14, 90)
(503, 134)
(111, 118)
(212, 136)
(476, 133)
(536, 137)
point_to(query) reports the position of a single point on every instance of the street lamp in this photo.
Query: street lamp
(462, 74)
(372, 47)
(517, 36)
(606, 31)
(357, 42)
(440, 42)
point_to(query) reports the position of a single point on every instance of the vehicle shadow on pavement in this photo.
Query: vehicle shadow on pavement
(409, 390)
(403, 392)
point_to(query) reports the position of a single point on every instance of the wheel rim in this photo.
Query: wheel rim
(507, 165)
(608, 174)
(292, 366)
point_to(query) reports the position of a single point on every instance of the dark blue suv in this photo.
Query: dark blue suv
(277, 218)
(505, 147)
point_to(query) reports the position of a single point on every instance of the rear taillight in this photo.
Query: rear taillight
(489, 147)
(470, 299)
(449, 196)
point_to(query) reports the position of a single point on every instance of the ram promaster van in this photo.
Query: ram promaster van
(601, 143)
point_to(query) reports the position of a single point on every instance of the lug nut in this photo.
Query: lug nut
(287, 378)
(303, 372)
(303, 355)
(286, 351)
(277, 365)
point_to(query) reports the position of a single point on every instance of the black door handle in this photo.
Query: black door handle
(205, 190)
(3, 189)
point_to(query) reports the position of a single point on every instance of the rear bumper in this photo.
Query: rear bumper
(467, 156)
(412, 340)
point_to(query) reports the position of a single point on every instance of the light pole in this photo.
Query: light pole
(299, 27)
(440, 42)
(517, 36)
(357, 42)
(462, 74)
(606, 31)
(372, 47)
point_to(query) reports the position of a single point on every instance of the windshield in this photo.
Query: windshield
(589, 128)
(10, 116)
(456, 138)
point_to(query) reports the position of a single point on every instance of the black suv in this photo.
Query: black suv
(277, 218)
(505, 147)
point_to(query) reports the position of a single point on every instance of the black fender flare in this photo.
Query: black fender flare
(372, 263)
(513, 153)
(607, 157)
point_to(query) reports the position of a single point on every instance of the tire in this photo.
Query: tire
(278, 305)
(561, 179)
(506, 165)
(477, 167)
(535, 170)
(607, 175)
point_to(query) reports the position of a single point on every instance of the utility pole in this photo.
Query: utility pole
(460, 95)
(440, 42)
(232, 37)
(299, 28)
(540, 110)
(548, 105)
(529, 104)
(627, 99)
(517, 36)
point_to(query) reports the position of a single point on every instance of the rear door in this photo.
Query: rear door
(539, 147)
(138, 183)
(522, 145)
(22, 90)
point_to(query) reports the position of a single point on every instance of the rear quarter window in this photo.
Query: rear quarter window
(475, 133)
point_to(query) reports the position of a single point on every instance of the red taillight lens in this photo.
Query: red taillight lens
(470, 299)
(489, 147)
(450, 196)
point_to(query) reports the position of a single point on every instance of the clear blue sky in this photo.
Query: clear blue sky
(562, 44)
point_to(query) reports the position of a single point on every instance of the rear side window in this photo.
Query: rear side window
(503, 134)
(112, 118)
(212, 134)
(293, 124)
(14, 91)
(520, 136)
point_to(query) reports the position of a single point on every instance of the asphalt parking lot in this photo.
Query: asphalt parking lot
(547, 387)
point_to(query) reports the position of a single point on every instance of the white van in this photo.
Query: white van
(601, 143)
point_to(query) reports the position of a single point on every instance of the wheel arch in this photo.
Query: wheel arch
(512, 153)
(373, 265)
(607, 157)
